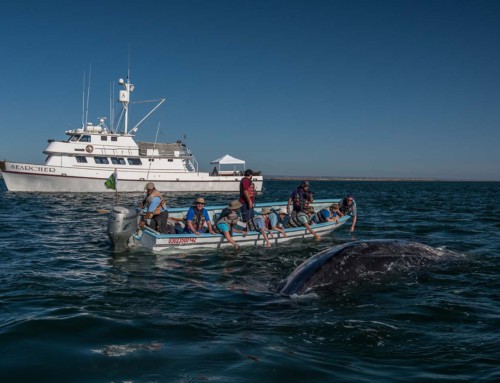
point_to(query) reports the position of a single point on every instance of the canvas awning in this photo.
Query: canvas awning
(224, 162)
(227, 160)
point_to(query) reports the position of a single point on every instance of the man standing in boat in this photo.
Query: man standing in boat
(348, 206)
(247, 196)
(156, 210)
(300, 198)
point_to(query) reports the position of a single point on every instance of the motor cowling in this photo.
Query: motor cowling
(122, 224)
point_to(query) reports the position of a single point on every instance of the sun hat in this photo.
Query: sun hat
(334, 205)
(200, 200)
(235, 204)
(265, 210)
(248, 172)
(304, 183)
(282, 211)
(150, 186)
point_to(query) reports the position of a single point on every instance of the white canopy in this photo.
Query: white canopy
(227, 160)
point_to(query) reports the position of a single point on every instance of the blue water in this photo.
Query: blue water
(71, 310)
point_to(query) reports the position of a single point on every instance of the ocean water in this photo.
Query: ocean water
(72, 310)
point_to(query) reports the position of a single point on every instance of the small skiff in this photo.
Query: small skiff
(123, 230)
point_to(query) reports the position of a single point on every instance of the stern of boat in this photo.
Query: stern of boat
(122, 224)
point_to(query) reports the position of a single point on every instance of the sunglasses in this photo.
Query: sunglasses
(200, 203)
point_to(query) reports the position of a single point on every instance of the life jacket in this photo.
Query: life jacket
(228, 216)
(294, 219)
(251, 191)
(346, 207)
(253, 227)
(320, 218)
(301, 199)
(198, 219)
(149, 199)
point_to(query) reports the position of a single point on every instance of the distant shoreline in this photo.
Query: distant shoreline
(367, 179)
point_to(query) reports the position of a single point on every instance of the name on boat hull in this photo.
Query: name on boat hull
(177, 241)
(33, 168)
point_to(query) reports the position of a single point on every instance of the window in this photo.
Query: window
(101, 160)
(81, 159)
(85, 139)
(114, 138)
(117, 161)
(104, 138)
(134, 161)
(74, 138)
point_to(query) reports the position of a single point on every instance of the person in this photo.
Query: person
(348, 206)
(332, 214)
(156, 211)
(300, 198)
(247, 196)
(302, 218)
(260, 223)
(197, 217)
(228, 219)
(278, 220)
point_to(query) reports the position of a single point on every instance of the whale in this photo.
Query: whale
(354, 261)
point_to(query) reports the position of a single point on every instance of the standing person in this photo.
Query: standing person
(260, 223)
(278, 220)
(348, 206)
(247, 196)
(227, 221)
(197, 217)
(300, 198)
(156, 210)
(302, 218)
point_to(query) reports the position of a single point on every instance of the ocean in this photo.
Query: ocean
(72, 310)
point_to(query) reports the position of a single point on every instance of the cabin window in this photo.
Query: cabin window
(134, 161)
(117, 161)
(104, 138)
(114, 138)
(170, 160)
(81, 159)
(101, 160)
(85, 139)
(74, 138)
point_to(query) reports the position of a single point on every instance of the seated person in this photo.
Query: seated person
(278, 220)
(228, 219)
(260, 223)
(302, 218)
(197, 218)
(332, 214)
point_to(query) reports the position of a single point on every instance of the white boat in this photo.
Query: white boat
(124, 233)
(92, 153)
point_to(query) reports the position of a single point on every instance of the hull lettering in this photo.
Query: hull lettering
(33, 168)
(179, 241)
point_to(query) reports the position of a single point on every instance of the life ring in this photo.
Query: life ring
(89, 148)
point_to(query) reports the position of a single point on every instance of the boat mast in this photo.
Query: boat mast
(125, 99)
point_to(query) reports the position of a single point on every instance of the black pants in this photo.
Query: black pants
(160, 223)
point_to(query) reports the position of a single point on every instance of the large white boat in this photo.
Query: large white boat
(92, 153)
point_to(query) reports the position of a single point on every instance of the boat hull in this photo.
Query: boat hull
(24, 177)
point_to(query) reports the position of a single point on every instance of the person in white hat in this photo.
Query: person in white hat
(278, 220)
(156, 212)
(261, 223)
(197, 218)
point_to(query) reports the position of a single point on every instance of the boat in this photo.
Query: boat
(94, 152)
(123, 230)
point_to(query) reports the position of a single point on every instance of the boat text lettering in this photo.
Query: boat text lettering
(33, 168)
(178, 241)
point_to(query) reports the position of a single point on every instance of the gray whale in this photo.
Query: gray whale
(350, 261)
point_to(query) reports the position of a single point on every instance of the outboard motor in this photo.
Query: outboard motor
(122, 223)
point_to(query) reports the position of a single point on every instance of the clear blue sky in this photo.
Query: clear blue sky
(334, 88)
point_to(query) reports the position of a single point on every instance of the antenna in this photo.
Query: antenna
(88, 98)
(83, 100)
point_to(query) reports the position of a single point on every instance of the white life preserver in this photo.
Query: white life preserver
(89, 148)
